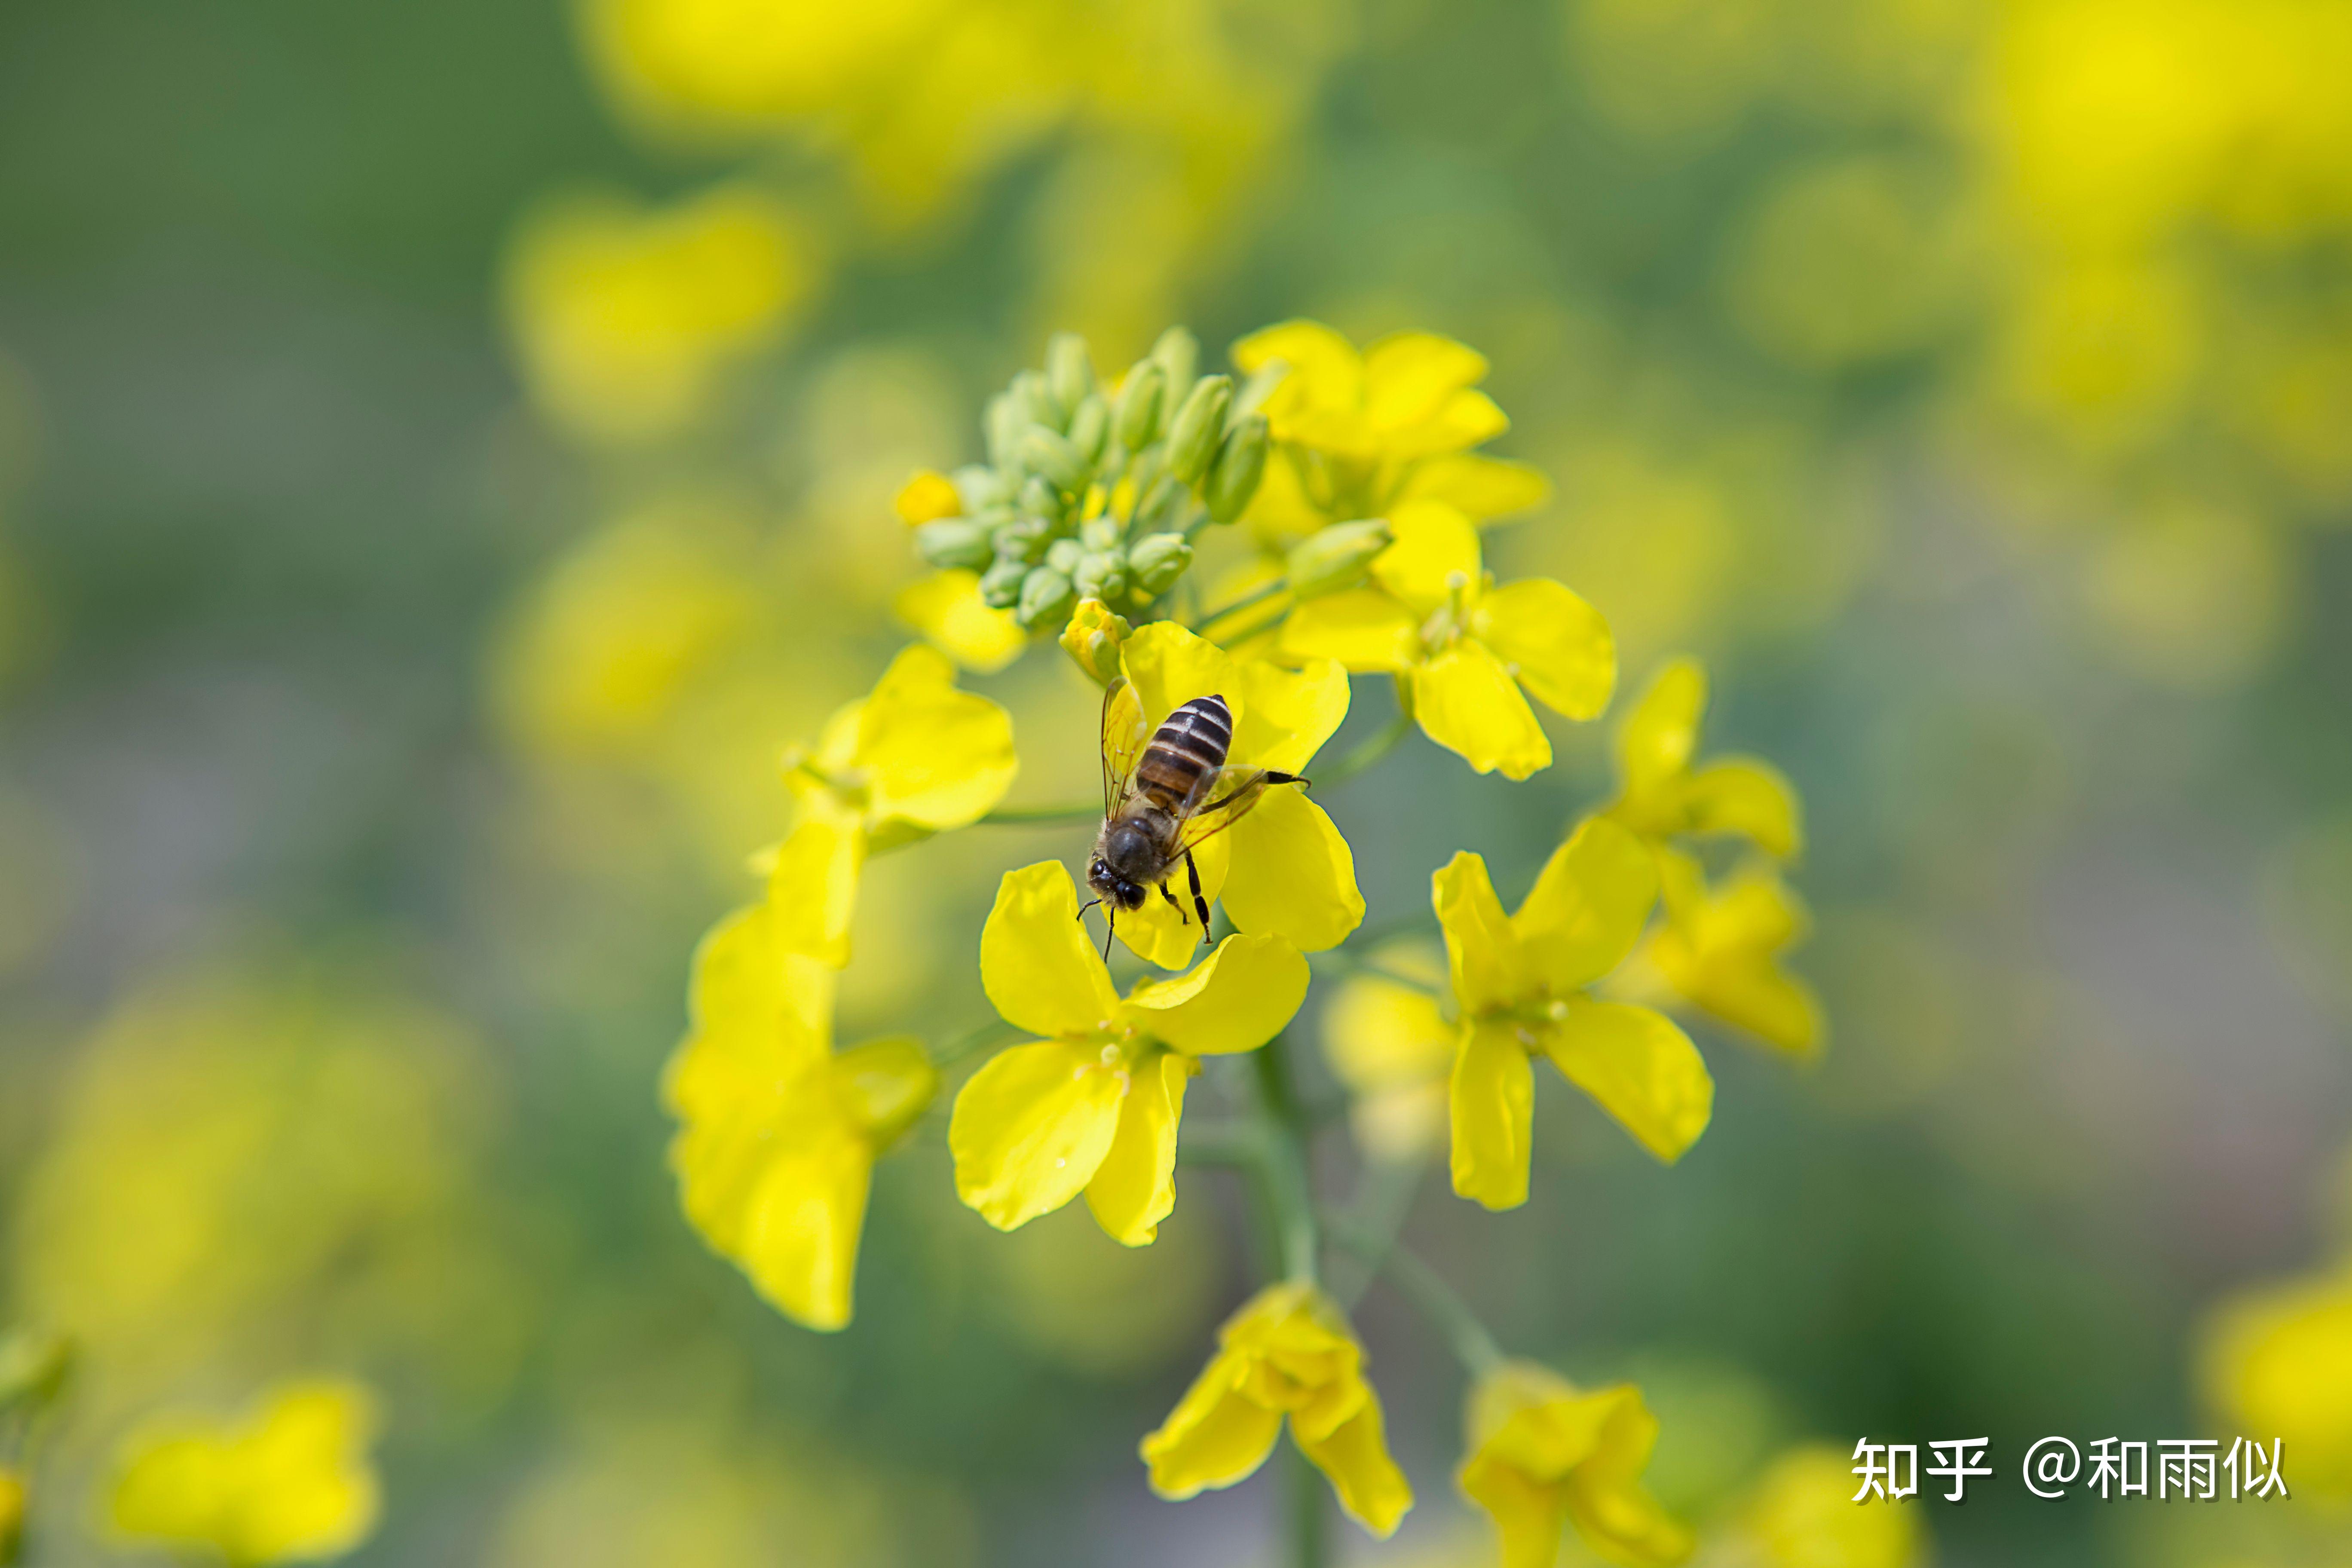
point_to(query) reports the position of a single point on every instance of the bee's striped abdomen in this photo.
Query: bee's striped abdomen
(1191, 744)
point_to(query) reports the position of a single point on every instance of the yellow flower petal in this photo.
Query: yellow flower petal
(931, 754)
(1461, 421)
(1031, 1128)
(813, 887)
(1557, 645)
(1744, 795)
(1642, 1069)
(1363, 629)
(1037, 964)
(1355, 1457)
(1434, 558)
(291, 1481)
(1410, 377)
(1282, 716)
(797, 1234)
(1325, 365)
(1214, 1438)
(1169, 934)
(1292, 874)
(1483, 956)
(752, 1004)
(1492, 1096)
(1542, 1449)
(1589, 905)
(1170, 664)
(928, 495)
(1655, 743)
(1282, 512)
(1803, 1511)
(1135, 1187)
(1480, 488)
(1241, 997)
(1530, 1516)
(946, 609)
(1465, 700)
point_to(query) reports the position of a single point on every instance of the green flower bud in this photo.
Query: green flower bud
(1138, 421)
(1336, 557)
(1063, 555)
(1156, 559)
(1069, 374)
(1000, 585)
(1052, 458)
(1104, 532)
(1031, 396)
(981, 487)
(1023, 539)
(1192, 439)
(1040, 499)
(1102, 574)
(955, 542)
(1046, 596)
(1179, 354)
(1090, 428)
(1003, 425)
(1160, 505)
(1241, 463)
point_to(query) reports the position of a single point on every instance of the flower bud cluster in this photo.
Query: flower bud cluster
(1096, 491)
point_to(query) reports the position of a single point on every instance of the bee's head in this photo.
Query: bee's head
(1113, 888)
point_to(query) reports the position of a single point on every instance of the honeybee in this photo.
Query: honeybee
(1160, 800)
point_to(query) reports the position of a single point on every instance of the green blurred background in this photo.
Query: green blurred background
(393, 656)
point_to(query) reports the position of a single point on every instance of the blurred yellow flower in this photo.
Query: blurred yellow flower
(603, 646)
(1283, 869)
(1803, 1515)
(1660, 794)
(778, 1131)
(1522, 984)
(1093, 640)
(12, 1514)
(2277, 1363)
(912, 758)
(625, 318)
(1393, 1045)
(928, 495)
(1093, 1105)
(1288, 1352)
(290, 1483)
(947, 608)
(1720, 947)
(1544, 1453)
(1461, 647)
(1357, 434)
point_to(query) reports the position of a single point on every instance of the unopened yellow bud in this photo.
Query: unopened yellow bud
(1336, 557)
(1092, 639)
(928, 495)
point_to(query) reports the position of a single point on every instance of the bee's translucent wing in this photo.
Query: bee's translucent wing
(1124, 733)
(1222, 797)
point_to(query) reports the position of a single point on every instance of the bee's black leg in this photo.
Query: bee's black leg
(1171, 901)
(1199, 902)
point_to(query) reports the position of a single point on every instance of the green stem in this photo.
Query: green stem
(1380, 745)
(1430, 1296)
(1352, 963)
(1289, 1197)
(1384, 1195)
(1255, 596)
(995, 1031)
(1311, 1513)
(1040, 815)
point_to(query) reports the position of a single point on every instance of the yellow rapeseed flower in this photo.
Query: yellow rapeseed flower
(947, 608)
(1461, 647)
(1544, 1453)
(12, 1514)
(290, 1483)
(1283, 869)
(1522, 984)
(1392, 1045)
(914, 757)
(625, 319)
(1093, 1105)
(1720, 948)
(1662, 795)
(778, 1131)
(1288, 1352)
(1803, 1515)
(1357, 434)
(2278, 1364)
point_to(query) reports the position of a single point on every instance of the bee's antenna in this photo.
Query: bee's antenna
(1109, 925)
